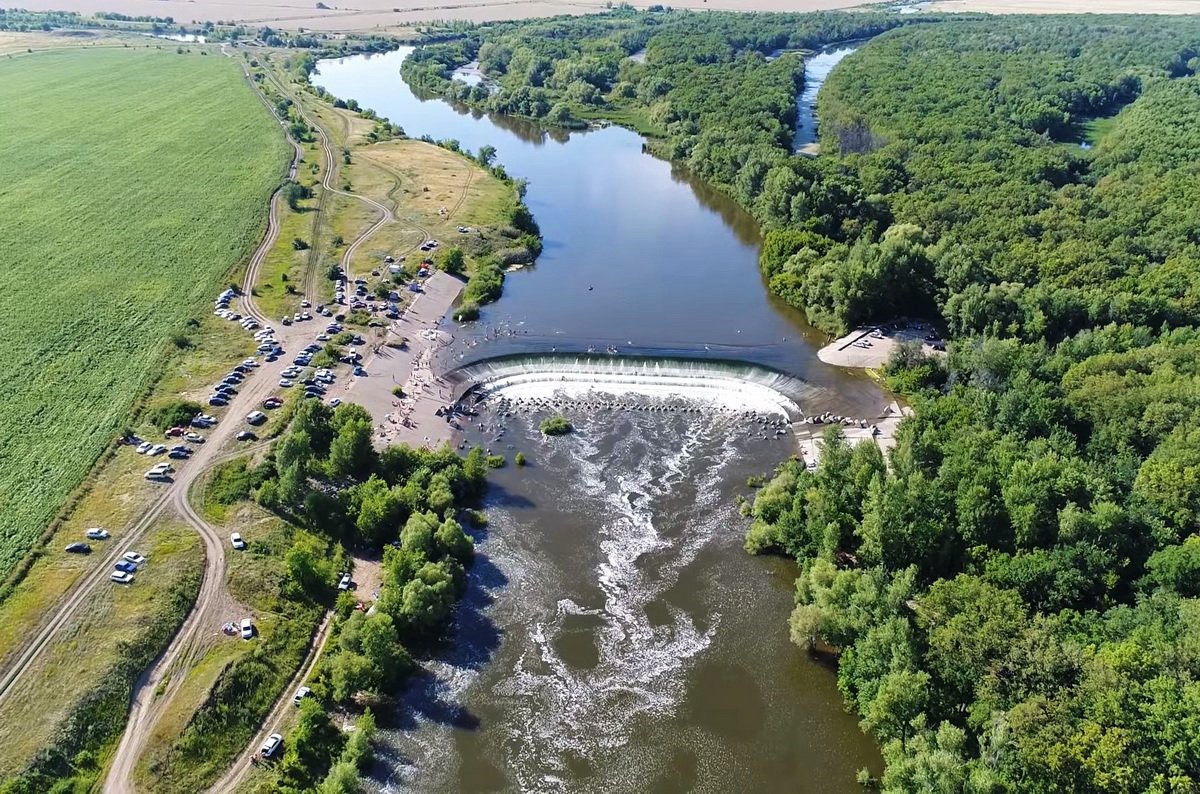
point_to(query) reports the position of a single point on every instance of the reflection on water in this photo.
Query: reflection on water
(615, 637)
(816, 69)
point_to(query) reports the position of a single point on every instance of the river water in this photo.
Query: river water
(615, 637)
(816, 69)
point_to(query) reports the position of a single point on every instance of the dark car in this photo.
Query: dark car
(79, 548)
(126, 566)
(246, 435)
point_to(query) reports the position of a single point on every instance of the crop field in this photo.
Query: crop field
(131, 182)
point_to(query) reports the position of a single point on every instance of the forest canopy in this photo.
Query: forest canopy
(1012, 593)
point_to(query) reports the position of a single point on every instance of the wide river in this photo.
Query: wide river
(616, 637)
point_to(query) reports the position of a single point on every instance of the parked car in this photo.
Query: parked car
(179, 454)
(144, 447)
(247, 630)
(157, 449)
(121, 577)
(256, 417)
(175, 432)
(195, 438)
(271, 745)
(217, 401)
(79, 548)
(286, 384)
(246, 435)
(96, 533)
(236, 540)
(301, 694)
(135, 558)
(126, 566)
(335, 402)
(344, 583)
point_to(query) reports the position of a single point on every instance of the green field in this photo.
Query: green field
(131, 182)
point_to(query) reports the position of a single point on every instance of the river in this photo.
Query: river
(615, 637)
(816, 69)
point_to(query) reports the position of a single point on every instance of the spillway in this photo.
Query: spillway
(633, 381)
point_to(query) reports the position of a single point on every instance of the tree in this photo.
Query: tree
(487, 154)
(380, 512)
(351, 454)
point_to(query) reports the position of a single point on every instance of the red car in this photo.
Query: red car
(272, 402)
(176, 432)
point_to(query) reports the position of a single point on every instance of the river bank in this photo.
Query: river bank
(603, 640)
(402, 359)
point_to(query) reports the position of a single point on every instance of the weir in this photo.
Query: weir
(725, 384)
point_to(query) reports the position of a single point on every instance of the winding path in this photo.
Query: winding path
(213, 601)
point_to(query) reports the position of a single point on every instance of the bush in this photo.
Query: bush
(496, 461)
(173, 413)
(556, 426)
(520, 459)
(298, 244)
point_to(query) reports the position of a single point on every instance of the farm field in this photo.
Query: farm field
(133, 181)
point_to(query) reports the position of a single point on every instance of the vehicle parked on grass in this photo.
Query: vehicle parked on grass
(121, 577)
(256, 417)
(175, 432)
(236, 541)
(157, 449)
(144, 447)
(246, 435)
(96, 533)
(135, 558)
(126, 566)
(247, 633)
(179, 454)
(79, 548)
(335, 402)
(286, 384)
(301, 694)
(195, 438)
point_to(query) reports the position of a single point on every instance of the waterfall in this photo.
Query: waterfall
(722, 384)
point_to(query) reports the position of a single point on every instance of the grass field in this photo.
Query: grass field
(96, 646)
(132, 180)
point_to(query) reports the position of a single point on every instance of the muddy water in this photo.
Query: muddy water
(615, 636)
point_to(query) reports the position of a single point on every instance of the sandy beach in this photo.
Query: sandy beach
(423, 329)
(870, 346)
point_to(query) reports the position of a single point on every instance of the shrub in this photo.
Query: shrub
(556, 426)
(520, 459)
(173, 413)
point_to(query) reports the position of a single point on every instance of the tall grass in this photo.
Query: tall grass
(131, 182)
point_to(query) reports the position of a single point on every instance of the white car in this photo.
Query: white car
(135, 558)
(195, 438)
(96, 533)
(236, 540)
(121, 577)
(250, 363)
(157, 449)
(301, 694)
(287, 384)
(256, 417)
(247, 629)
(271, 745)
(144, 447)
(335, 402)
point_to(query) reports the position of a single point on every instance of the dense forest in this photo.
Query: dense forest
(1012, 594)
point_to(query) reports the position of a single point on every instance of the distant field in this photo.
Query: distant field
(130, 182)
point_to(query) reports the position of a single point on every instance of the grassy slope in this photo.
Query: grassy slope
(132, 180)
